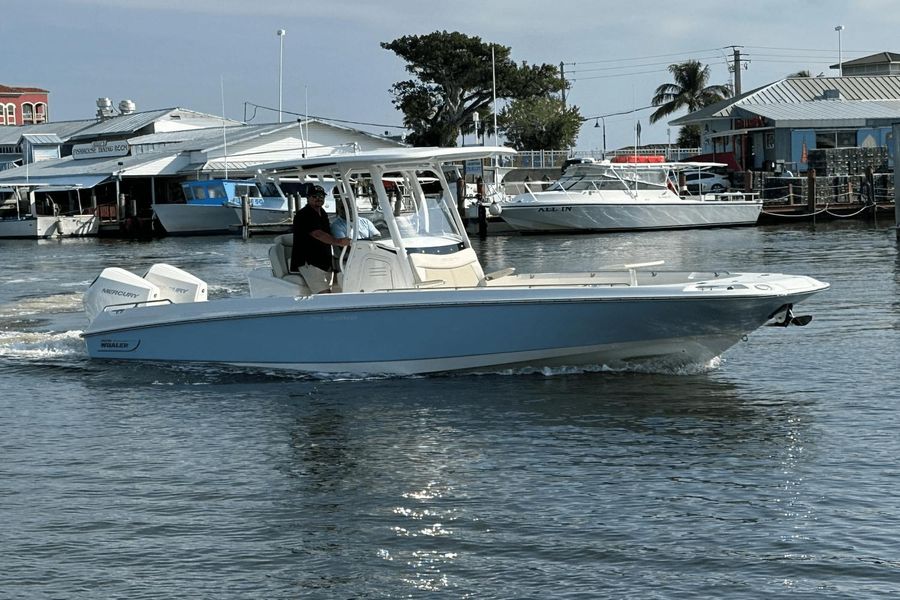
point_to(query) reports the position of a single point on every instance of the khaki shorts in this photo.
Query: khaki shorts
(317, 280)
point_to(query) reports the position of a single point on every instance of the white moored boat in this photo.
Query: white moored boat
(418, 301)
(605, 196)
(20, 217)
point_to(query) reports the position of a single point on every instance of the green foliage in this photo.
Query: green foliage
(540, 123)
(690, 90)
(452, 79)
(689, 136)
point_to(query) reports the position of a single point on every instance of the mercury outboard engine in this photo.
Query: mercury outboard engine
(117, 286)
(176, 285)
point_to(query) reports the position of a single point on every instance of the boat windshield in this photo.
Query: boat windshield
(241, 190)
(422, 215)
(428, 219)
(612, 179)
(267, 189)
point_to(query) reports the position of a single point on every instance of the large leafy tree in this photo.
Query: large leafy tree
(453, 79)
(691, 90)
(541, 123)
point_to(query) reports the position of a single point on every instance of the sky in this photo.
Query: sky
(223, 56)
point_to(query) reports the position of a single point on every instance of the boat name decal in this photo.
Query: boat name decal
(555, 209)
(113, 292)
(118, 345)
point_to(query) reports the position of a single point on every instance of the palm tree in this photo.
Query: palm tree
(690, 90)
(803, 73)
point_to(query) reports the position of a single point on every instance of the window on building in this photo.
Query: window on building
(825, 139)
(845, 138)
(40, 112)
(8, 112)
(27, 113)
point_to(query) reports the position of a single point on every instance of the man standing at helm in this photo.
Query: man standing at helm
(311, 252)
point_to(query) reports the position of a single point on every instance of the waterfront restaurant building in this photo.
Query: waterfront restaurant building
(780, 123)
(125, 164)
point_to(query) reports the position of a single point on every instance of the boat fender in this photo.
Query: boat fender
(495, 209)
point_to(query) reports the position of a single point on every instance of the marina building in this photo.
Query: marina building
(119, 166)
(780, 125)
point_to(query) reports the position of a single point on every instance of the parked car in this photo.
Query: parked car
(706, 181)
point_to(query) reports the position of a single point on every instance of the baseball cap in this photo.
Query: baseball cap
(316, 190)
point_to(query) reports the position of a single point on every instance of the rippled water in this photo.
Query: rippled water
(772, 475)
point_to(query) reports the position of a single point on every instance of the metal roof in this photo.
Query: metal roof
(131, 123)
(64, 129)
(122, 124)
(183, 135)
(68, 167)
(822, 110)
(805, 90)
(42, 138)
(881, 58)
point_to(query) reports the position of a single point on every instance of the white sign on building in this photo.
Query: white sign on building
(100, 149)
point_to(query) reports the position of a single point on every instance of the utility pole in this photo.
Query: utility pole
(737, 70)
(562, 73)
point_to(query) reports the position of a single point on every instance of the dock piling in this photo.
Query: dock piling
(245, 217)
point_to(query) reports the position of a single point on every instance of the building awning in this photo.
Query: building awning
(733, 132)
(58, 182)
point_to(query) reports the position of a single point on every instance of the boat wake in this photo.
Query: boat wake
(41, 305)
(40, 345)
(649, 368)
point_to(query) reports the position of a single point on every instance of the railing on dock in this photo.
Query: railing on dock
(546, 159)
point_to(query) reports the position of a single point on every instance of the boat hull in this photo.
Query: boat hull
(47, 226)
(198, 219)
(413, 332)
(536, 217)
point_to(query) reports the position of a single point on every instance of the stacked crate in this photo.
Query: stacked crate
(847, 161)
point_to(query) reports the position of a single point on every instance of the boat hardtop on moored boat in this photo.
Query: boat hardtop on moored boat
(417, 299)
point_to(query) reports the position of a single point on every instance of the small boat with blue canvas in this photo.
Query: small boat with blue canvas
(214, 206)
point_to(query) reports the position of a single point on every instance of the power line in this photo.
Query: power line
(590, 62)
(611, 75)
(667, 63)
(831, 50)
(320, 118)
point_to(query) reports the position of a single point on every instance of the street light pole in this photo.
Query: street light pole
(280, 33)
(603, 120)
(839, 29)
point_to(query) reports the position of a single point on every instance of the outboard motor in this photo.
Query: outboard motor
(117, 286)
(176, 285)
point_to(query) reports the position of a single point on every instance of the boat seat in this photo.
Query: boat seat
(460, 269)
(280, 257)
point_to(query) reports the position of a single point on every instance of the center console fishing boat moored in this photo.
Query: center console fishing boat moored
(605, 196)
(417, 300)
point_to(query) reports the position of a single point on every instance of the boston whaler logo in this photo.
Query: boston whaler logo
(118, 345)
